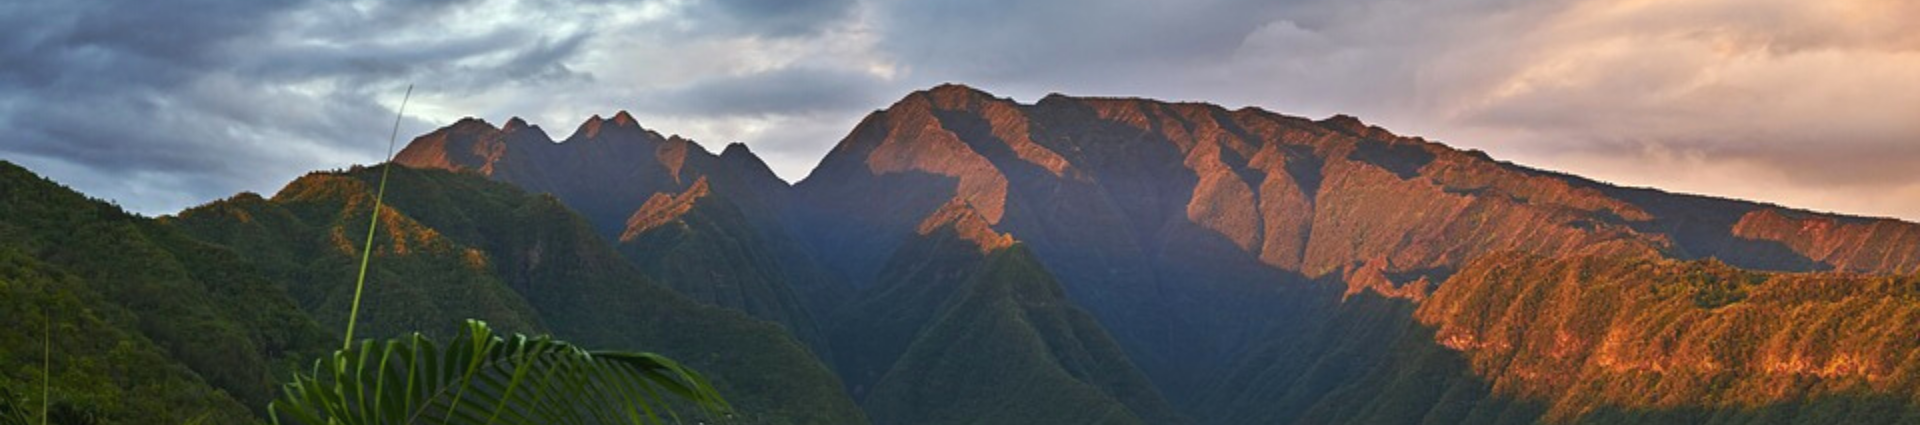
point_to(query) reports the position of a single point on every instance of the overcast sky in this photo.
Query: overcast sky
(161, 105)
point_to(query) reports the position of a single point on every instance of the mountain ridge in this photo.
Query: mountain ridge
(961, 257)
(1190, 231)
(1190, 225)
(614, 172)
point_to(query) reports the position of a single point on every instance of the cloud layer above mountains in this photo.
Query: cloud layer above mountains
(162, 105)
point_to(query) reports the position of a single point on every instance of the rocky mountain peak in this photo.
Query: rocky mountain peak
(470, 124)
(624, 119)
(735, 149)
(1354, 126)
(956, 91)
(620, 126)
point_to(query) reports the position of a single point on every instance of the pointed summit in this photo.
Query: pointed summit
(470, 123)
(1344, 121)
(739, 154)
(749, 165)
(589, 129)
(515, 123)
(1354, 126)
(467, 144)
(518, 130)
(625, 119)
(958, 96)
(948, 89)
(591, 126)
(622, 122)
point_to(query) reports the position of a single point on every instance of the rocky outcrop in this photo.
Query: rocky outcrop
(703, 245)
(1842, 243)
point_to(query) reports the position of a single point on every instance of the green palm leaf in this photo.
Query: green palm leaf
(11, 413)
(482, 378)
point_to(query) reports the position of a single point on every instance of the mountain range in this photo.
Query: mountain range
(960, 258)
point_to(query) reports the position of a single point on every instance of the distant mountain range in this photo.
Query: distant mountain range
(965, 259)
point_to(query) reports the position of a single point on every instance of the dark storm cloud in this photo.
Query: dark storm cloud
(89, 81)
(156, 102)
(1014, 40)
(103, 43)
(165, 104)
(773, 17)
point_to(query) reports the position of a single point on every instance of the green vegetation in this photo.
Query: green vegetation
(1515, 338)
(954, 335)
(457, 246)
(1009, 348)
(1711, 283)
(148, 324)
(13, 411)
(481, 378)
(1353, 360)
(712, 253)
(420, 281)
(1584, 334)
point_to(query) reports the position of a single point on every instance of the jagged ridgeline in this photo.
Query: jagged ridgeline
(710, 226)
(457, 246)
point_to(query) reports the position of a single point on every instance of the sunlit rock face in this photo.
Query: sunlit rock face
(1211, 244)
(1580, 334)
(1130, 200)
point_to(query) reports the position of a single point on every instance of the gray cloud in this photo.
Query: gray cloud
(1059, 44)
(1807, 94)
(787, 91)
(163, 105)
(773, 17)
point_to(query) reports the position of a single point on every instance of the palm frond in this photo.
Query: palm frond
(11, 412)
(483, 378)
